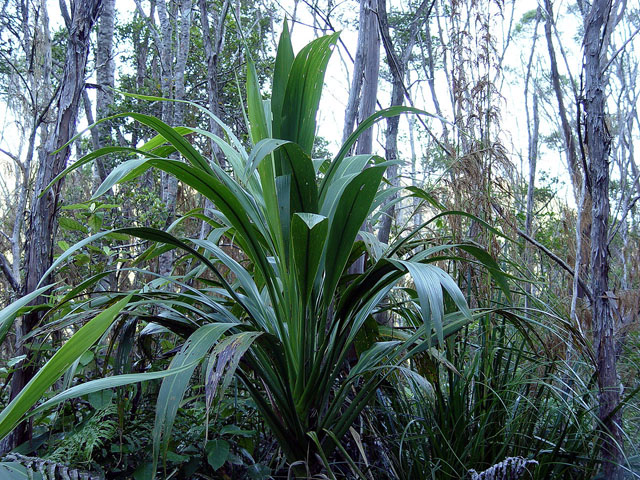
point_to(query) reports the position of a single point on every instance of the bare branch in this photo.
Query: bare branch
(6, 269)
(548, 252)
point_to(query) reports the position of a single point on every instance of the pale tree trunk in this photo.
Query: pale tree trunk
(44, 208)
(173, 113)
(575, 173)
(567, 132)
(165, 43)
(165, 262)
(533, 134)
(417, 216)
(141, 49)
(599, 143)
(364, 82)
(430, 70)
(213, 40)
(364, 86)
(398, 67)
(533, 157)
(105, 77)
(370, 71)
(36, 48)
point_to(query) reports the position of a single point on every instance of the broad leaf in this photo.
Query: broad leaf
(308, 236)
(345, 222)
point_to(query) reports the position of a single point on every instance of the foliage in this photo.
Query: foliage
(278, 309)
(502, 395)
(98, 431)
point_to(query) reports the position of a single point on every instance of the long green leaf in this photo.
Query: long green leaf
(255, 108)
(174, 387)
(10, 312)
(263, 148)
(365, 125)
(56, 366)
(345, 222)
(304, 88)
(127, 170)
(304, 191)
(144, 150)
(308, 236)
(429, 281)
(106, 383)
(235, 207)
(284, 60)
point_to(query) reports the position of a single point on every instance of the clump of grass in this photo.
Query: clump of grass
(497, 395)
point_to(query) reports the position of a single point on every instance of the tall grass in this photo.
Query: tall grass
(500, 395)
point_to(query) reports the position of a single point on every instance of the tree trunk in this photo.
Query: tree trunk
(398, 67)
(53, 161)
(174, 116)
(533, 157)
(105, 76)
(570, 147)
(364, 86)
(213, 39)
(365, 68)
(599, 142)
(568, 137)
(533, 134)
(370, 73)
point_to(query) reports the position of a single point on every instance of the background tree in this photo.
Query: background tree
(42, 217)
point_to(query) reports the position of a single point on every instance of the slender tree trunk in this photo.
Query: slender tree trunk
(173, 115)
(577, 177)
(599, 144)
(365, 68)
(105, 76)
(429, 66)
(417, 215)
(568, 137)
(371, 69)
(533, 157)
(397, 66)
(364, 86)
(165, 262)
(533, 134)
(53, 161)
(213, 39)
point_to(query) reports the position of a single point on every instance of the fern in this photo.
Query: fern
(78, 447)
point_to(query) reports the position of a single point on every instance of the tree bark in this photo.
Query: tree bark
(173, 115)
(213, 39)
(398, 67)
(577, 177)
(370, 74)
(533, 157)
(53, 161)
(364, 82)
(364, 86)
(598, 142)
(105, 76)
(568, 137)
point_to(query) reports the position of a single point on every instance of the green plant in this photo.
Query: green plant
(78, 446)
(502, 395)
(281, 313)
